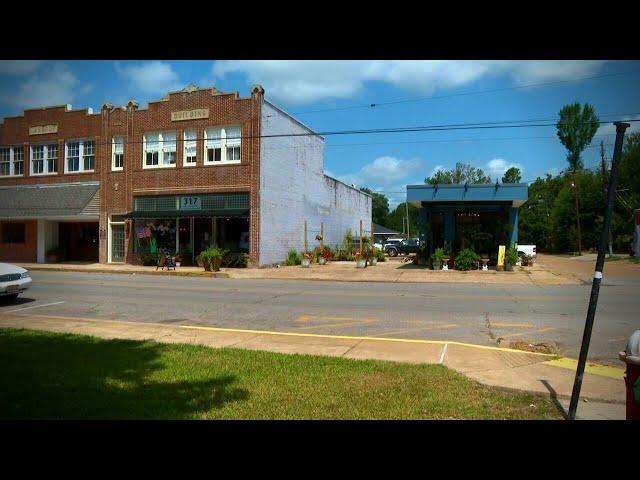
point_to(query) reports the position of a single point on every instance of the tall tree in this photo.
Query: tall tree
(576, 127)
(397, 219)
(512, 175)
(380, 206)
(462, 173)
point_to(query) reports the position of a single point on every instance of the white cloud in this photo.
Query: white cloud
(153, 77)
(388, 175)
(55, 85)
(306, 81)
(18, 67)
(495, 168)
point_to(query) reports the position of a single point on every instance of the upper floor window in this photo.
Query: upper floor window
(222, 145)
(11, 161)
(117, 147)
(80, 156)
(44, 159)
(159, 150)
(189, 147)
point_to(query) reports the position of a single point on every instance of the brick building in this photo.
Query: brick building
(197, 168)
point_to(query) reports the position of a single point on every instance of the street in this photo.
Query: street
(482, 314)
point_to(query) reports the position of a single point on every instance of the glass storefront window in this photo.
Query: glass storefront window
(154, 235)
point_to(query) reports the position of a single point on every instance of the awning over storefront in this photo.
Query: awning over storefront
(52, 200)
(187, 213)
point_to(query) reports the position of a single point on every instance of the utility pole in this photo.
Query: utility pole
(406, 204)
(574, 184)
(597, 276)
(604, 189)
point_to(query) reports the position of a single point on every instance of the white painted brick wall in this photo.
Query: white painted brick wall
(293, 188)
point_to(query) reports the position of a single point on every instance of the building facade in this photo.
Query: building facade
(197, 168)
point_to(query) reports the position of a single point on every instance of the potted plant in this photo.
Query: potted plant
(510, 258)
(212, 258)
(306, 259)
(360, 260)
(55, 254)
(178, 259)
(446, 257)
(437, 257)
(199, 261)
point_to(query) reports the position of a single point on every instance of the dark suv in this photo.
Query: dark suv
(405, 247)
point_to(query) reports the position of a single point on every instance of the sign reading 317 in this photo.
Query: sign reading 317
(190, 203)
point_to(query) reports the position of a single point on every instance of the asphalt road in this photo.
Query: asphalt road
(480, 314)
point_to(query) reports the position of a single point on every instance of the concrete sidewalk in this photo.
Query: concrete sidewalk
(390, 271)
(603, 389)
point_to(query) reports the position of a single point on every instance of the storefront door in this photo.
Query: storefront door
(117, 242)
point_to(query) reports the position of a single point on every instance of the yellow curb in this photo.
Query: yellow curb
(592, 368)
(347, 337)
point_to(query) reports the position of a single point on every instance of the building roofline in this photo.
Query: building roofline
(470, 185)
(293, 118)
(348, 186)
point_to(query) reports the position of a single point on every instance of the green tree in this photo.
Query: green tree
(462, 173)
(512, 175)
(628, 194)
(396, 222)
(576, 127)
(380, 206)
(534, 226)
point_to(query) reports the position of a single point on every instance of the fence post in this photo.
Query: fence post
(321, 235)
(305, 237)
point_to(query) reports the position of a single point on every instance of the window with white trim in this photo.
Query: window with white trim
(117, 156)
(222, 145)
(44, 159)
(11, 161)
(189, 155)
(159, 150)
(80, 156)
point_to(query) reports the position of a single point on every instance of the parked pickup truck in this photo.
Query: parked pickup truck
(529, 250)
(405, 247)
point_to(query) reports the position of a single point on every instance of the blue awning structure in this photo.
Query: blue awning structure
(514, 193)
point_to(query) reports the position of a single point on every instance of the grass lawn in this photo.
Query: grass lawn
(61, 376)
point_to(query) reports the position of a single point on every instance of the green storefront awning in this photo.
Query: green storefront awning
(189, 213)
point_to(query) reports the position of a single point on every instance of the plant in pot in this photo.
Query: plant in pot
(436, 258)
(447, 256)
(306, 259)
(212, 258)
(55, 255)
(360, 259)
(178, 258)
(510, 258)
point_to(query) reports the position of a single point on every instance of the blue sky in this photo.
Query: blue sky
(384, 162)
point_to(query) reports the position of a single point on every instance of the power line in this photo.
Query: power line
(420, 99)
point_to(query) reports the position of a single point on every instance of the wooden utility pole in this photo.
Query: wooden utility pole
(321, 235)
(575, 186)
(305, 237)
(361, 236)
(406, 205)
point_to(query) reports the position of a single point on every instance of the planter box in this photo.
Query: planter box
(306, 262)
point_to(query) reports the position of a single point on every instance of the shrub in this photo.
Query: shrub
(511, 256)
(234, 260)
(348, 237)
(293, 258)
(148, 259)
(380, 255)
(467, 259)
(323, 251)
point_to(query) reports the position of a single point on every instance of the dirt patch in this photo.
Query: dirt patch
(542, 347)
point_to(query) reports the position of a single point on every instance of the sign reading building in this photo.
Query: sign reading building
(42, 129)
(190, 114)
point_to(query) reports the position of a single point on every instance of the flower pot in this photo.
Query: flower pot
(445, 264)
(374, 261)
(306, 262)
(360, 263)
(177, 264)
(216, 264)
(322, 260)
(508, 268)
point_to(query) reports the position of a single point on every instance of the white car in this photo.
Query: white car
(529, 250)
(378, 245)
(13, 280)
